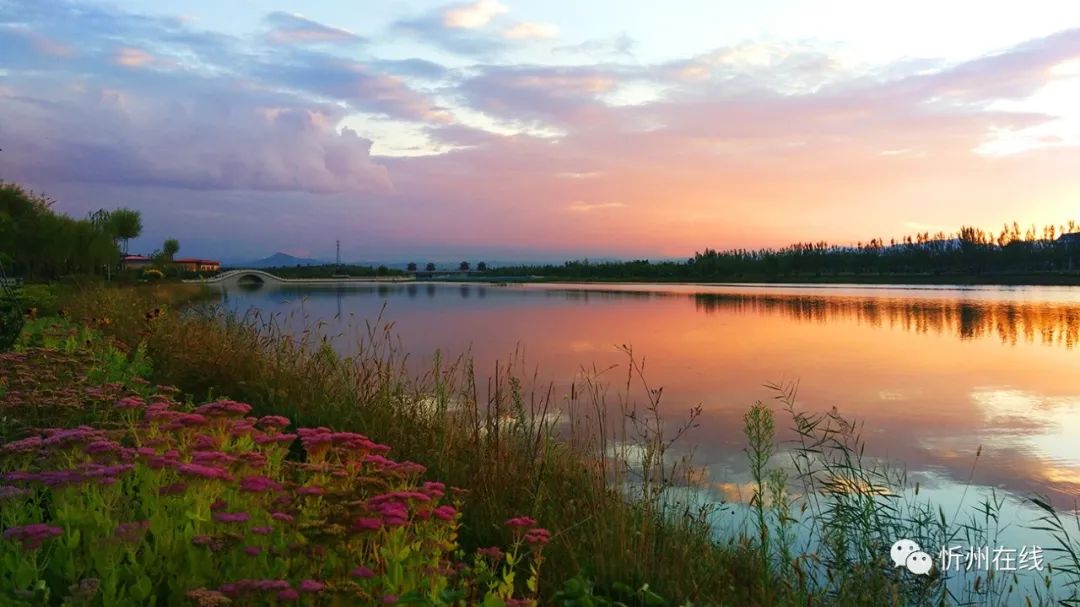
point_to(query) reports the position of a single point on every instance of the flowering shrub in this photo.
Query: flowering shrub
(208, 505)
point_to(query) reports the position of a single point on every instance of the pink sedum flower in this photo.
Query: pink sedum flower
(311, 586)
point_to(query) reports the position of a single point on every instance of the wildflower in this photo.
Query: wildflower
(311, 586)
(362, 572)
(241, 428)
(102, 446)
(186, 420)
(58, 437)
(132, 532)
(274, 439)
(26, 445)
(273, 421)
(367, 524)
(20, 476)
(445, 513)
(131, 402)
(211, 458)
(521, 521)
(231, 517)
(281, 516)
(316, 441)
(205, 442)
(434, 489)
(491, 552)
(288, 595)
(201, 471)
(379, 461)
(538, 536)
(252, 550)
(310, 490)
(224, 408)
(519, 603)
(32, 536)
(253, 459)
(262, 530)
(258, 484)
(389, 599)
(9, 492)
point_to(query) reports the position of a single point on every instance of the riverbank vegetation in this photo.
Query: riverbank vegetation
(1012, 256)
(627, 519)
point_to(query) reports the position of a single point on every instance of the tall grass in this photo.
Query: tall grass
(825, 533)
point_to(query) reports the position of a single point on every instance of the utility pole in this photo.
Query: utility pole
(339, 254)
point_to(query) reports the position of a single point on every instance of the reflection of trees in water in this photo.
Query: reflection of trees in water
(1046, 323)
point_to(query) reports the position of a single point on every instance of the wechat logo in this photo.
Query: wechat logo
(907, 553)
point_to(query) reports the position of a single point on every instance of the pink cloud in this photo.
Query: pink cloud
(132, 57)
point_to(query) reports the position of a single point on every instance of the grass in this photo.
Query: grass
(598, 465)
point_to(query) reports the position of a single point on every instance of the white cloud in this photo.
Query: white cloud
(531, 30)
(472, 16)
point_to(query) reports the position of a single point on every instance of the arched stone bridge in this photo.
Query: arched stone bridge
(261, 277)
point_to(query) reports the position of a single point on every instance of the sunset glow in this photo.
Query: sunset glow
(529, 130)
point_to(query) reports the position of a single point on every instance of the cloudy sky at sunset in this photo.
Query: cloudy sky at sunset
(542, 129)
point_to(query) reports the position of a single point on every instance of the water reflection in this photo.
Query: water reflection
(932, 373)
(1047, 323)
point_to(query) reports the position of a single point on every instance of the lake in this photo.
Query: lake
(933, 373)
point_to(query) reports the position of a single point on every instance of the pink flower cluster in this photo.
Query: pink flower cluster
(215, 453)
(536, 536)
(32, 536)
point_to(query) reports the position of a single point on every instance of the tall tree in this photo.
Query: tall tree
(411, 267)
(170, 247)
(430, 267)
(125, 224)
(464, 266)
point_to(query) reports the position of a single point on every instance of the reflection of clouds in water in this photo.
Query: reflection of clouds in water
(1047, 426)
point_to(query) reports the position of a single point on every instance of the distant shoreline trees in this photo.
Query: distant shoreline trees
(971, 251)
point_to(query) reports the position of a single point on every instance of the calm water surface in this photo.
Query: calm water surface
(933, 373)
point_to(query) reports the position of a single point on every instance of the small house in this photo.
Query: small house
(191, 264)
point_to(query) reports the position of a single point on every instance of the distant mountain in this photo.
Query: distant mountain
(280, 259)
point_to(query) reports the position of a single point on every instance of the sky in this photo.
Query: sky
(529, 130)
